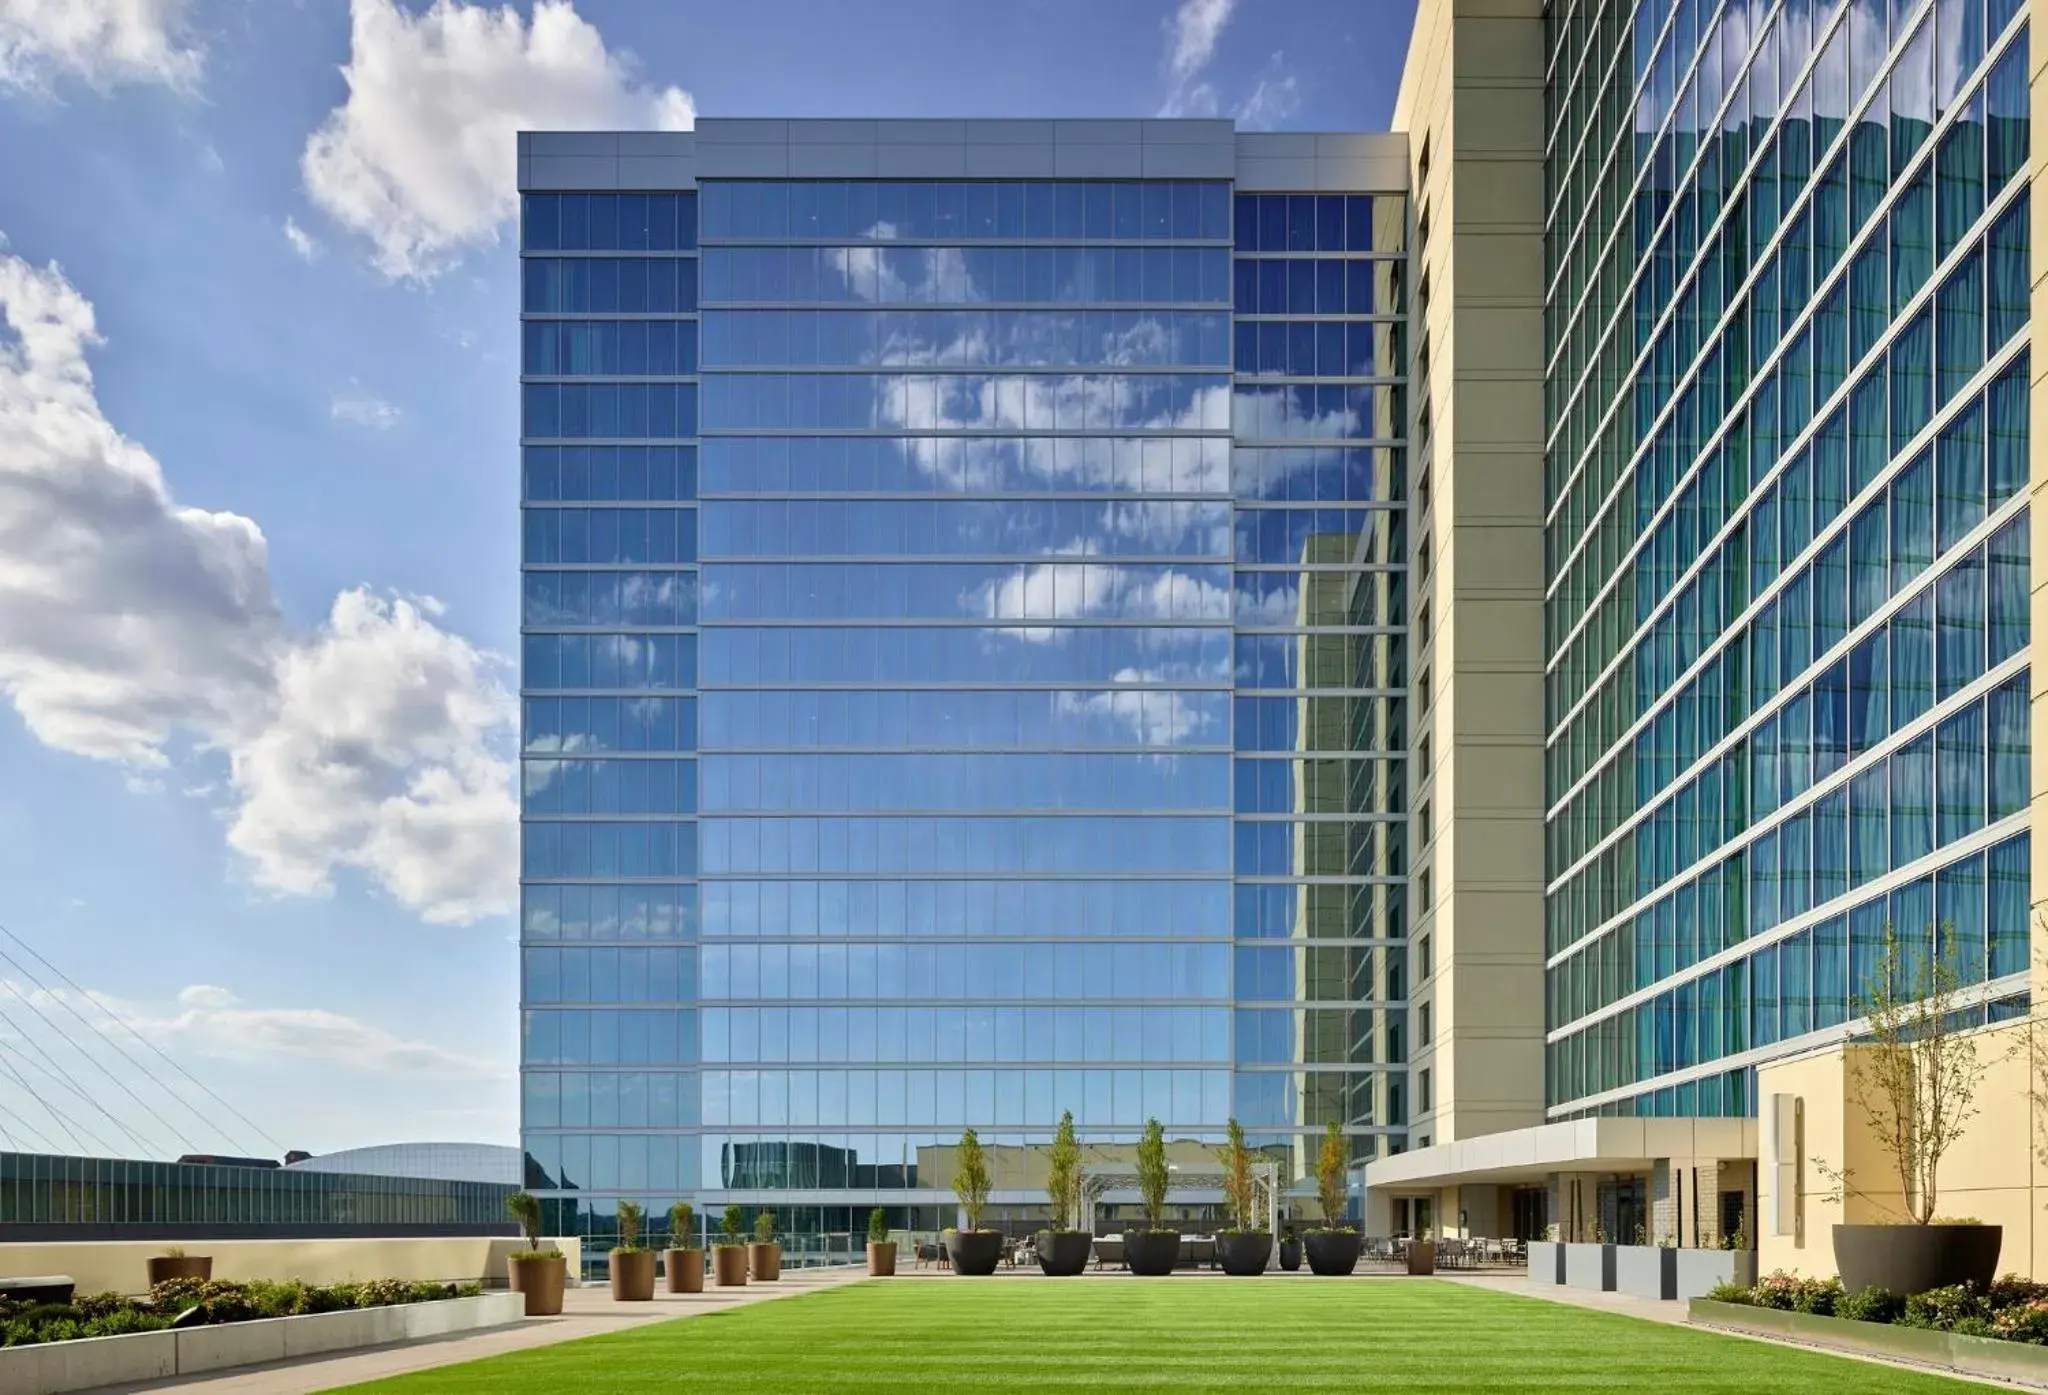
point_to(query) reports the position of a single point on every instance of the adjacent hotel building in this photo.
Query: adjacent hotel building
(1471, 632)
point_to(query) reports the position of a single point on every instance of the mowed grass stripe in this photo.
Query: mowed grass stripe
(1185, 1334)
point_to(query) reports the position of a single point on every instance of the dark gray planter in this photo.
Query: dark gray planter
(1589, 1267)
(1910, 1259)
(1153, 1252)
(1332, 1252)
(1244, 1252)
(1546, 1262)
(1290, 1255)
(1064, 1252)
(974, 1251)
(1646, 1271)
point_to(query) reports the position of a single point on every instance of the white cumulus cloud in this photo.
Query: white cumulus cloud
(304, 243)
(1191, 35)
(106, 43)
(143, 631)
(421, 158)
(358, 408)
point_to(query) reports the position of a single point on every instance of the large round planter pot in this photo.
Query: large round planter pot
(685, 1270)
(541, 1279)
(164, 1267)
(1422, 1257)
(1290, 1255)
(1244, 1252)
(1153, 1252)
(729, 1265)
(632, 1276)
(1064, 1252)
(974, 1251)
(765, 1262)
(1333, 1251)
(881, 1258)
(1909, 1259)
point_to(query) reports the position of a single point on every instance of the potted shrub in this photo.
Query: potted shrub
(1422, 1253)
(1914, 1080)
(1154, 1249)
(1333, 1246)
(1061, 1249)
(1290, 1249)
(632, 1263)
(973, 1250)
(764, 1256)
(881, 1249)
(1245, 1246)
(729, 1251)
(174, 1263)
(683, 1260)
(539, 1274)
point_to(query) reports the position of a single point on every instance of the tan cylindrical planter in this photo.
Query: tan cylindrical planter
(685, 1270)
(729, 1265)
(881, 1258)
(542, 1279)
(633, 1275)
(765, 1262)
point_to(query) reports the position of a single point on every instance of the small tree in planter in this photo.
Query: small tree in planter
(881, 1249)
(729, 1251)
(632, 1263)
(684, 1261)
(1245, 1246)
(1063, 1247)
(1155, 1249)
(1333, 1247)
(764, 1254)
(973, 1250)
(1914, 1079)
(540, 1275)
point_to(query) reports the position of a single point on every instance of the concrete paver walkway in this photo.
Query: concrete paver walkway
(586, 1312)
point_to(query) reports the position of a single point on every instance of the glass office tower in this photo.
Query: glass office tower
(963, 656)
(1787, 562)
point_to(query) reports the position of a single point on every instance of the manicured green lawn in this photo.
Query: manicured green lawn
(1166, 1335)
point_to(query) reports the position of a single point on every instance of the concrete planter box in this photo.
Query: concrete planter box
(1546, 1262)
(54, 1367)
(1700, 1270)
(1645, 1271)
(1972, 1356)
(1590, 1266)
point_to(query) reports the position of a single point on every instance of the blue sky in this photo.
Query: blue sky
(257, 486)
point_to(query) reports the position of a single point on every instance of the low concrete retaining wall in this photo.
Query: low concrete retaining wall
(1971, 1356)
(1645, 1271)
(1589, 1266)
(1546, 1262)
(1699, 1271)
(121, 1266)
(55, 1367)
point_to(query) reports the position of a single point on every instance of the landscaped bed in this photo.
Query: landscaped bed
(2013, 1309)
(1181, 1335)
(193, 1303)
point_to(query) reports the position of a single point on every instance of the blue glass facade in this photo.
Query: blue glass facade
(963, 680)
(1787, 543)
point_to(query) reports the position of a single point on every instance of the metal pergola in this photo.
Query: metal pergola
(1096, 1183)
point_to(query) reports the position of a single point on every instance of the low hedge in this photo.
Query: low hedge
(2013, 1309)
(215, 1301)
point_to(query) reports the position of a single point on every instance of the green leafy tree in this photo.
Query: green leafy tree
(631, 1213)
(1152, 1173)
(1237, 1179)
(970, 1178)
(1063, 1174)
(1332, 1160)
(731, 1226)
(878, 1226)
(682, 1225)
(1914, 1076)
(764, 1228)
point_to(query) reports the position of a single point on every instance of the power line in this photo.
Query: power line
(98, 1064)
(124, 1025)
